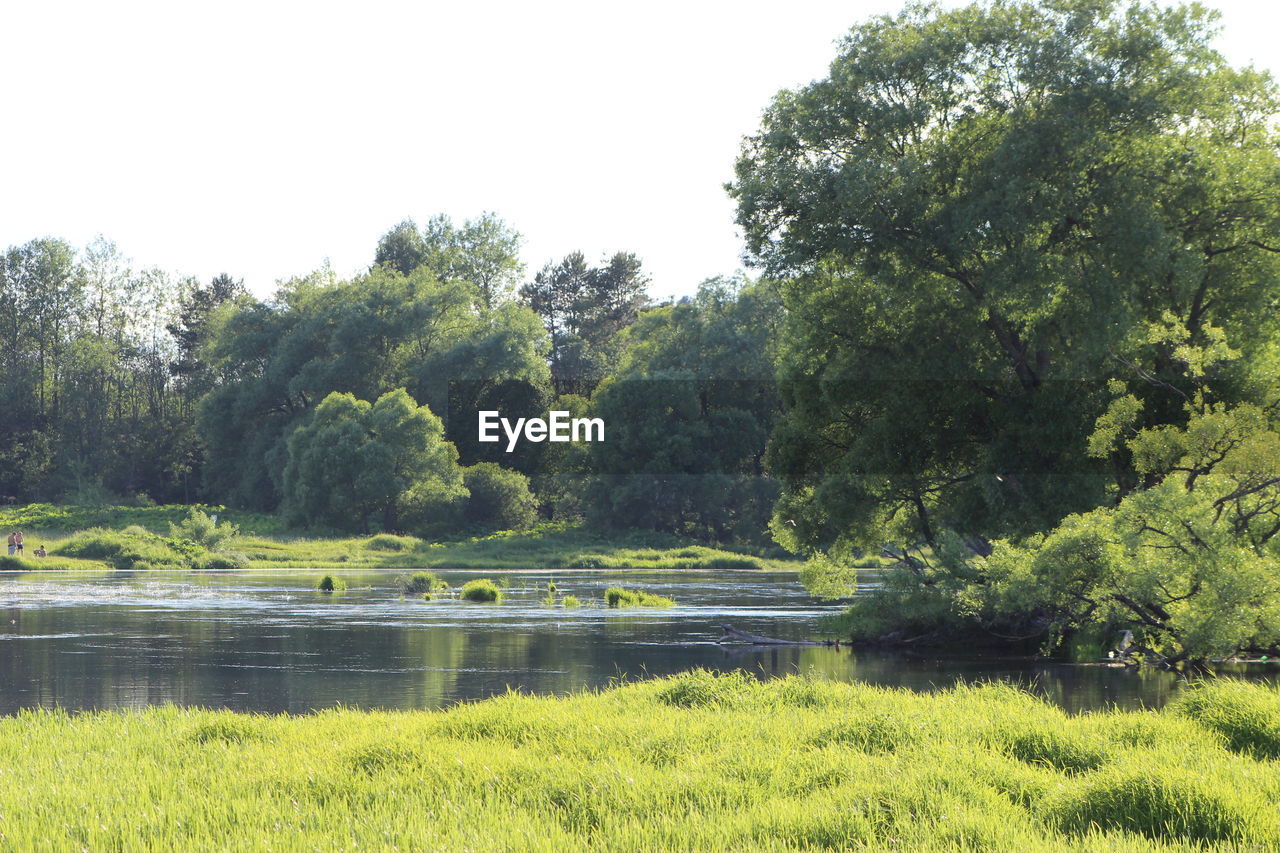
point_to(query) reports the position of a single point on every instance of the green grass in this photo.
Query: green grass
(262, 544)
(696, 762)
(329, 583)
(481, 589)
(616, 596)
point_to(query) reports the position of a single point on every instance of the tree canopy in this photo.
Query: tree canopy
(979, 217)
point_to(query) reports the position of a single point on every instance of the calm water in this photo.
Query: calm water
(270, 643)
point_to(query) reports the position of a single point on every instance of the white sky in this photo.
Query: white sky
(260, 139)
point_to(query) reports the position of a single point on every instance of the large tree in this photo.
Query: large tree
(353, 462)
(484, 251)
(979, 217)
(584, 308)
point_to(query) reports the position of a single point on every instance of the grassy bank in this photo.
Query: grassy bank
(139, 539)
(694, 762)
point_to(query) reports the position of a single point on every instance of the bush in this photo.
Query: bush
(204, 531)
(481, 589)
(390, 542)
(420, 582)
(223, 562)
(127, 551)
(329, 583)
(571, 601)
(499, 498)
(616, 596)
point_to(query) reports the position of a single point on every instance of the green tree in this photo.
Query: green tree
(584, 308)
(688, 412)
(352, 462)
(977, 218)
(498, 498)
(484, 252)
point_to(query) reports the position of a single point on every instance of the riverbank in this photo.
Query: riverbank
(692, 762)
(136, 538)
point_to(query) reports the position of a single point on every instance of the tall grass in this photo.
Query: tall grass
(263, 543)
(616, 596)
(696, 762)
(482, 590)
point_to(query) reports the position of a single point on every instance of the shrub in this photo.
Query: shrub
(225, 561)
(586, 562)
(204, 531)
(1246, 715)
(571, 601)
(391, 542)
(329, 583)
(420, 582)
(481, 589)
(125, 551)
(500, 498)
(616, 596)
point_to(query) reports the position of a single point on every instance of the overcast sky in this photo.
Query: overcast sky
(262, 138)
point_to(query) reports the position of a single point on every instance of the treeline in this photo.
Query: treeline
(351, 404)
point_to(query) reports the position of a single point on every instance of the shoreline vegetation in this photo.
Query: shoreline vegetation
(160, 537)
(695, 761)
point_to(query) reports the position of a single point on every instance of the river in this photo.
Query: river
(271, 643)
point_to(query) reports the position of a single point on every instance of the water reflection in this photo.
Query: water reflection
(271, 643)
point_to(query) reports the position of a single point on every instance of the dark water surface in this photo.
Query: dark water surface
(259, 642)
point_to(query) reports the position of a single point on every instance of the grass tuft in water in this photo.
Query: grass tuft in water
(481, 589)
(329, 583)
(616, 596)
(419, 583)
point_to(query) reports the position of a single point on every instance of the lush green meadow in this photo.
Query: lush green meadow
(131, 538)
(692, 762)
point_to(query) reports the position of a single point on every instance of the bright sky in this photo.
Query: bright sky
(262, 138)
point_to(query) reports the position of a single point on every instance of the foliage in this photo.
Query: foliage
(329, 583)
(204, 530)
(498, 498)
(484, 252)
(616, 596)
(420, 583)
(352, 462)
(481, 589)
(137, 551)
(978, 217)
(688, 411)
(367, 337)
(157, 519)
(696, 762)
(391, 542)
(583, 309)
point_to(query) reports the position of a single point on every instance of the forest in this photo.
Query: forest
(1014, 326)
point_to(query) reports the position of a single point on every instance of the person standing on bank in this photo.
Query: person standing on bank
(18, 540)
(13, 544)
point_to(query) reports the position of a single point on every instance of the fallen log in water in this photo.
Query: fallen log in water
(732, 633)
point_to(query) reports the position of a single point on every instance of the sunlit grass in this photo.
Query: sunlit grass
(694, 762)
(552, 546)
(616, 596)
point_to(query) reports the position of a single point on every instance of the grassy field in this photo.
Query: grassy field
(139, 538)
(692, 762)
